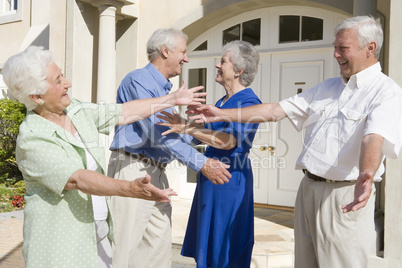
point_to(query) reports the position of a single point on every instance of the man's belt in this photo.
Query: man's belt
(312, 176)
(318, 178)
(145, 159)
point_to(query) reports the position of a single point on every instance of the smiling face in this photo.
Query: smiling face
(225, 73)
(350, 56)
(176, 58)
(56, 98)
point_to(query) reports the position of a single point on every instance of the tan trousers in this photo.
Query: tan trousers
(142, 228)
(324, 235)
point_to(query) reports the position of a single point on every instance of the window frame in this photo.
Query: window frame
(12, 16)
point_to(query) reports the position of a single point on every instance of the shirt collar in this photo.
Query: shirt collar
(363, 77)
(163, 83)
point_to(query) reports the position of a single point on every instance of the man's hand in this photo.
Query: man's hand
(206, 113)
(216, 171)
(184, 96)
(176, 123)
(362, 193)
(142, 188)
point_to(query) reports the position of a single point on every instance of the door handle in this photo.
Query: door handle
(271, 149)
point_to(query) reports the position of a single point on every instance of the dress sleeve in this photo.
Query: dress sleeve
(104, 115)
(43, 160)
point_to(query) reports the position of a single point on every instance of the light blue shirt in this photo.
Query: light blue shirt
(144, 136)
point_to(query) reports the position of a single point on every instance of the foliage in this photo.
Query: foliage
(6, 195)
(12, 198)
(18, 201)
(19, 188)
(12, 113)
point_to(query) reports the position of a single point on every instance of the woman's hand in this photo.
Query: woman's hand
(94, 183)
(184, 96)
(142, 188)
(176, 123)
(206, 113)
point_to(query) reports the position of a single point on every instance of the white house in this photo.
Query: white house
(97, 42)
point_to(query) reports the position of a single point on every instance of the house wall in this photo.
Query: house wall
(69, 28)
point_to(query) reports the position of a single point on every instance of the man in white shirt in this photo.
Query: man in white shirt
(351, 123)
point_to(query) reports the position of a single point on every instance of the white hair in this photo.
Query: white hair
(163, 37)
(244, 57)
(25, 74)
(368, 30)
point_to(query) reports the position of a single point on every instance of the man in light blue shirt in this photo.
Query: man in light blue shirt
(143, 229)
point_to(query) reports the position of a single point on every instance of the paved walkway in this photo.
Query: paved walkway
(273, 237)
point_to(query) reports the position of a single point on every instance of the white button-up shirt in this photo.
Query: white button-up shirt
(336, 114)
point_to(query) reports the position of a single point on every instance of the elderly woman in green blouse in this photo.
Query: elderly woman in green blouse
(66, 220)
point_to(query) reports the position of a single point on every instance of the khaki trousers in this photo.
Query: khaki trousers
(142, 228)
(327, 237)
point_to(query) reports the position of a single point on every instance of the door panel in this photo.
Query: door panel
(292, 73)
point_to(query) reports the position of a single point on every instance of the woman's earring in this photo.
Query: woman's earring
(236, 75)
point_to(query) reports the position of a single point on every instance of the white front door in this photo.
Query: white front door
(276, 145)
(291, 73)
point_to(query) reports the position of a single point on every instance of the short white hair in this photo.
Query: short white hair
(368, 30)
(25, 74)
(244, 57)
(163, 37)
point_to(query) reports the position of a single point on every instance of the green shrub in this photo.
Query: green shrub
(19, 188)
(12, 113)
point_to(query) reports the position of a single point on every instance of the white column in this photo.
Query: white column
(365, 7)
(107, 54)
(393, 180)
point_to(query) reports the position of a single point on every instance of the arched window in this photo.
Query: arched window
(299, 29)
(249, 31)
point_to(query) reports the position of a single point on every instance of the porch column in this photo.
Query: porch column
(106, 83)
(364, 7)
(393, 180)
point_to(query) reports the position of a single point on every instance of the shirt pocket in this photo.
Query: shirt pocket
(351, 124)
(316, 113)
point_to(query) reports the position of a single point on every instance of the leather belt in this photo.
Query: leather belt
(318, 178)
(145, 159)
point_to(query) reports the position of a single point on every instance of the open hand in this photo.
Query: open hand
(176, 123)
(206, 113)
(362, 194)
(142, 188)
(216, 171)
(189, 96)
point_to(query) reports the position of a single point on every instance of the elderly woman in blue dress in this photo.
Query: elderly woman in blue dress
(220, 230)
(67, 219)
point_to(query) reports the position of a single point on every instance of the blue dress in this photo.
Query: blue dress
(220, 229)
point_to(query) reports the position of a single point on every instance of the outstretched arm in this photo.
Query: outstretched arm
(370, 160)
(136, 110)
(177, 124)
(91, 182)
(266, 112)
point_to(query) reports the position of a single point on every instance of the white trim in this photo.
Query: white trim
(13, 15)
(269, 29)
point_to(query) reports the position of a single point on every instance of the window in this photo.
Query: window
(249, 31)
(252, 32)
(10, 11)
(300, 29)
(8, 7)
(231, 34)
(202, 47)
